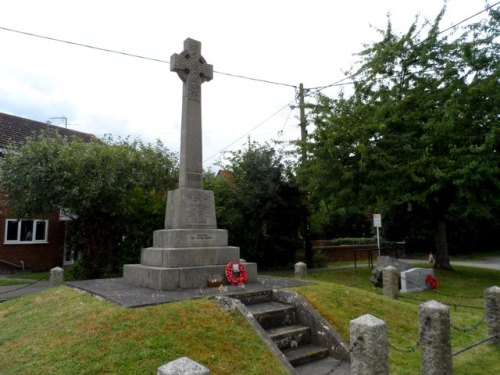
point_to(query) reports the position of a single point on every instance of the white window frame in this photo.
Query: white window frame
(34, 235)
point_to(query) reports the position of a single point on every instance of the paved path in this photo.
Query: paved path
(116, 290)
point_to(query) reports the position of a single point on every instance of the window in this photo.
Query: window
(26, 231)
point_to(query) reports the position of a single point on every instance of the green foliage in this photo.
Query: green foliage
(418, 139)
(112, 190)
(352, 241)
(260, 204)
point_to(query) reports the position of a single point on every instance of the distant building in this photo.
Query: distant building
(34, 244)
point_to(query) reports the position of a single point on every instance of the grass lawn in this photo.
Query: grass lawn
(61, 331)
(5, 282)
(339, 304)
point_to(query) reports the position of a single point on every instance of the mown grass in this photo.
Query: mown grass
(6, 282)
(31, 275)
(60, 331)
(340, 303)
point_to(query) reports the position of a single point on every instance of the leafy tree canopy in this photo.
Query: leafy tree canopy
(260, 204)
(105, 185)
(420, 133)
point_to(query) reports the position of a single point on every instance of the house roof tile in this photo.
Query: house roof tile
(14, 129)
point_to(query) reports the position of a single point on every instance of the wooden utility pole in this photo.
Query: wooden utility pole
(303, 137)
(303, 122)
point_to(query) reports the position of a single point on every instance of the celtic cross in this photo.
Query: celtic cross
(193, 70)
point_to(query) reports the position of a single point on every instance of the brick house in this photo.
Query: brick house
(31, 244)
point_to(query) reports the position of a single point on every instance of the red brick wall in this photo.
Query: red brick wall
(346, 252)
(36, 256)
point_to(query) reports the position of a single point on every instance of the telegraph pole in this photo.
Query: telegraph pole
(303, 123)
(303, 137)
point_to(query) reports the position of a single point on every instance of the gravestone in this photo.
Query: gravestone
(190, 249)
(414, 279)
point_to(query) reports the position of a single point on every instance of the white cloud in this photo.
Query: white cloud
(288, 41)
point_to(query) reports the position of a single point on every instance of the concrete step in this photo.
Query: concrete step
(328, 365)
(252, 298)
(290, 336)
(304, 354)
(273, 314)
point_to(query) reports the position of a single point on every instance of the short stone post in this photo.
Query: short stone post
(435, 339)
(182, 366)
(300, 270)
(369, 346)
(492, 312)
(390, 280)
(56, 276)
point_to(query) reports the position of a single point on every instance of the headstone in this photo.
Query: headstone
(391, 282)
(435, 339)
(190, 249)
(56, 276)
(382, 262)
(369, 346)
(300, 270)
(414, 280)
(183, 366)
(492, 312)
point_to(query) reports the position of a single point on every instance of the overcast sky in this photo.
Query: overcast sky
(284, 41)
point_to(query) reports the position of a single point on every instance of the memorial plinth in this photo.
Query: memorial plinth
(190, 249)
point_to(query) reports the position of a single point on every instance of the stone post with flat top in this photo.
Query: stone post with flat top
(190, 249)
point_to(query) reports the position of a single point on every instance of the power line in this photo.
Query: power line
(128, 54)
(339, 82)
(251, 130)
(83, 45)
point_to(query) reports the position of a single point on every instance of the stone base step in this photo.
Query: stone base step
(162, 278)
(290, 336)
(252, 298)
(273, 314)
(326, 365)
(305, 354)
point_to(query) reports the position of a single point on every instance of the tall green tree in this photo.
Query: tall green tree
(259, 202)
(106, 186)
(420, 133)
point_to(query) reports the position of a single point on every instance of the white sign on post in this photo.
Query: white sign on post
(377, 223)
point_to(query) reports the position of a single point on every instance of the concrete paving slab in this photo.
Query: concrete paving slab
(118, 291)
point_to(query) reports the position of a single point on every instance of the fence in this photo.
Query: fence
(369, 344)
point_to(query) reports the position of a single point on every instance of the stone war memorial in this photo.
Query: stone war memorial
(190, 250)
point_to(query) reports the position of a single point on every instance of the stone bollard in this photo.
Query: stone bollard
(435, 339)
(390, 277)
(369, 346)
(492, 312)
(182, 366)
(56, 276)
(300, 270)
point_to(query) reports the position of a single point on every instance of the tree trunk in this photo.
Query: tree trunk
(442, 259)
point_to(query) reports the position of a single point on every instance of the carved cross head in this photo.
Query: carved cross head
(191, 67)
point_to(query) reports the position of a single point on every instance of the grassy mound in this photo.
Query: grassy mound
(61, 331)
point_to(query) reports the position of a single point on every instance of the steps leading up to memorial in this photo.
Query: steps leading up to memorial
(301, 338)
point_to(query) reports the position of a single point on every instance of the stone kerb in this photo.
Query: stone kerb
(56, 276)
(182, 366)
(390, 276)
(300, 270)
(435, 339)
(369, 346)
(492, 312)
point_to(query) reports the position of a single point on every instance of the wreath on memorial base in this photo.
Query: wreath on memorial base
(235, 267)
(432, 282)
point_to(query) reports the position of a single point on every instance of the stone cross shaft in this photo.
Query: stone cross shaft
(193, 70)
